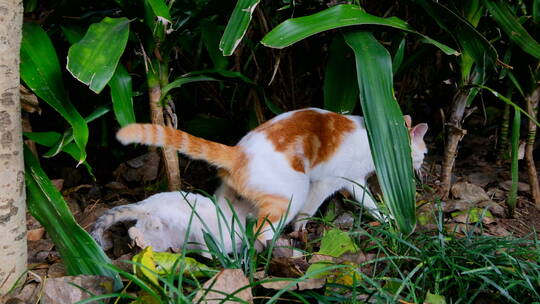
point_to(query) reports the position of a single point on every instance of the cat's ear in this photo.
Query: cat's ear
(418, 131)
(408, 121)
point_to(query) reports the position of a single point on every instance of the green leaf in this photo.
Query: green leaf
(237, 26)
(167, 263)
(335, 243)
(503, 15)
(40, 70)
(398, 57)
(145, 267)
(73, 33)
(296, 29)
(94, 58)
(160, 9)
(80, 253)
(122, 96)
(49, 139)
(180, 81)
(434, 299)
(340, 89)
(67, 137)
(388, 136)
(472, 42)
(210, 36)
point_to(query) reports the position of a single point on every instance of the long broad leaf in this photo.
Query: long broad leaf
(49, 139)
(340, 89)
(472, 42)
(388, 138)
(68, 135)
(509, 23)
(296, 29)
(122, 96)
(161, 10)
(40, 70)
(93, 59)
(180, 81)
(79, 252)
(237, 26)
(210, 36)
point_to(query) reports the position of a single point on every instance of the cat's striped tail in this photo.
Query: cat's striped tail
(220, 155)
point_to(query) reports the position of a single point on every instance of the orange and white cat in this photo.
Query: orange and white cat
(288, 165)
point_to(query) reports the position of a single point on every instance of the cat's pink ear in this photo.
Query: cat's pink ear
(408, 121)
(418, 131)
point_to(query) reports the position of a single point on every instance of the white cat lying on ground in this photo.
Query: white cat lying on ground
(162, 220)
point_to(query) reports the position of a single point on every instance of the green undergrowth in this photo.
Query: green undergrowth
(428, 266)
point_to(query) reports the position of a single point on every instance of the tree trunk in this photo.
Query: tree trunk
(12, 195)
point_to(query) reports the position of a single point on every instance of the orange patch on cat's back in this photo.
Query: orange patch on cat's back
(307, 135)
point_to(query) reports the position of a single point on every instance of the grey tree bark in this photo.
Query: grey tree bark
(12, 195)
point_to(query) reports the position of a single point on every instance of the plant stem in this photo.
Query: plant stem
(170, 156)
(532, 107)
(503, 137)
(455, 134)
(512, 196)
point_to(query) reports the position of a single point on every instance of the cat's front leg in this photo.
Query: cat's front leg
(318, 192)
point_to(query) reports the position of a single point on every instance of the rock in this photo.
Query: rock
(469, 192)
(480, 178)
(457, 205)
(61, 290)
(225, 282)
(522, 187)
(344, 221)
(495, 209)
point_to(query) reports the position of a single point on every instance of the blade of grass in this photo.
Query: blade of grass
(388, 136)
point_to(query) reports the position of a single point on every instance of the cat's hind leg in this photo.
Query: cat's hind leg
(275, 210)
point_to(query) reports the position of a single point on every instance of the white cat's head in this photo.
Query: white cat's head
(418, 146)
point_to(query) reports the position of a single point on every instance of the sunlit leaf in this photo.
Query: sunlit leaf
(296, 29)
(145, 266)
(434, 299)
(44, 78)
(336, 242)
(237, 26)
(167, 263)
(388, 136)
(93, 59)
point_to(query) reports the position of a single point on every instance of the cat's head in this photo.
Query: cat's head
(418, 146)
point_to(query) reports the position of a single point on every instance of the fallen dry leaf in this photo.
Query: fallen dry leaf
(35, 234)
(522, 187)
(62, 290)
(225, 282)
(306, 284)
(288, 267)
